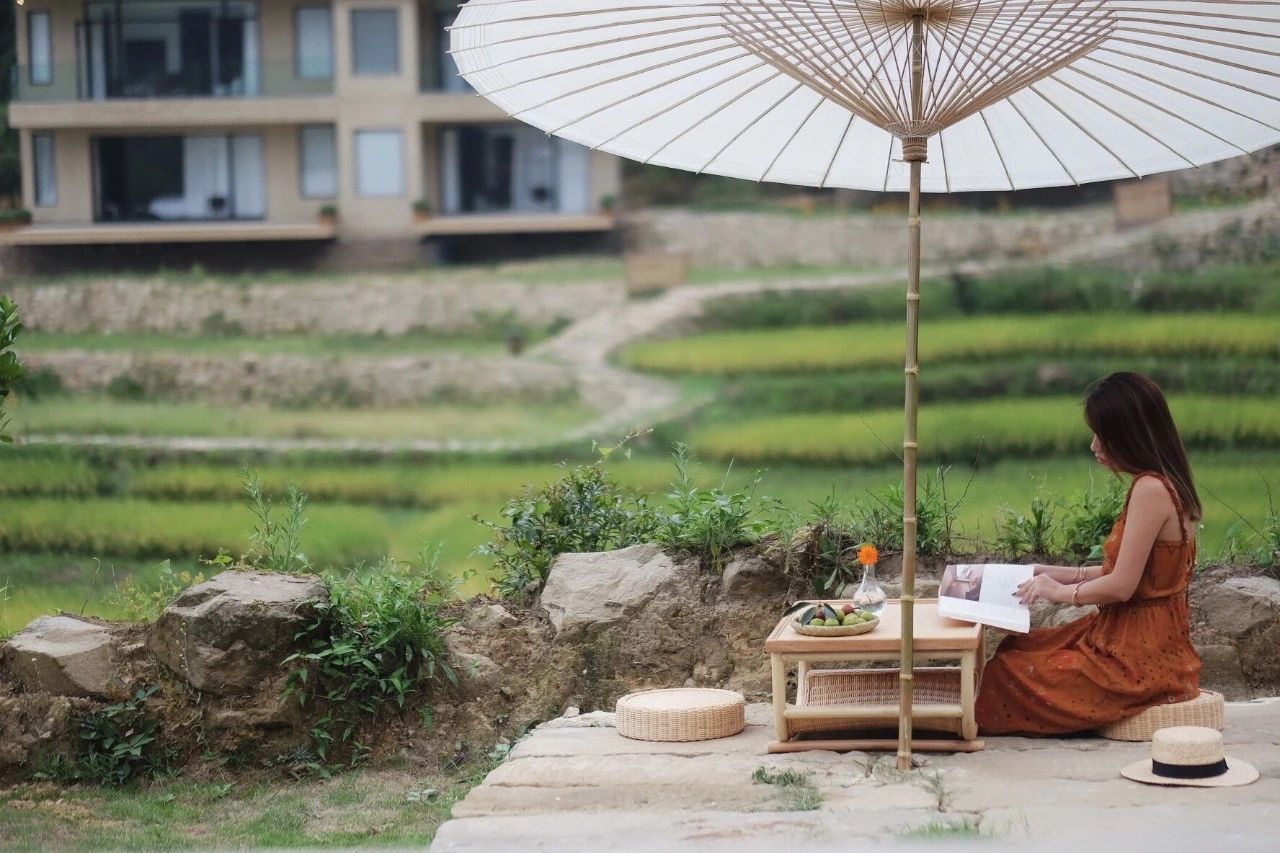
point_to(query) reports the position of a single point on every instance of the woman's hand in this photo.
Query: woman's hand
(1040, 588)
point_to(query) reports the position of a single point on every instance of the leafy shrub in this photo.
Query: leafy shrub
(16, 216)
(40, 383)
(828, 536)
(10, 367)
(584, 510)
(126, 387)
(879, 517)
(1088, 518)
(1020, 534)
(379, 639)
(116, 745)
(710, 522)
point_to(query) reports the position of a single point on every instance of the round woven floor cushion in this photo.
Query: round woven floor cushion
(680, 714)
(1207, 709)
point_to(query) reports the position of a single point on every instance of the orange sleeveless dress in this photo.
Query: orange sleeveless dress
(1104, 667)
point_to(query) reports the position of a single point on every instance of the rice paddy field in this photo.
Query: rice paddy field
(806, 387)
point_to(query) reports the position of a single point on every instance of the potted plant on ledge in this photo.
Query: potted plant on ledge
(14, 218)
(421, 210)
(329, 215)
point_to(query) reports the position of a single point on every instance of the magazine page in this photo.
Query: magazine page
(986, 594)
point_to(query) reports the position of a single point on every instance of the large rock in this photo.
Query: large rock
(589, 591)
(66, 657)
(1236, 628)
(752, 577)
(230, 633)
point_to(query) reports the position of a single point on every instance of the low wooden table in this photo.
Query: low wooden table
(936, 639)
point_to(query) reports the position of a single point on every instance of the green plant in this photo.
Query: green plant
(422, 207)
(796, 790)
(11, 369)
(879, 518)
(376, 641)
(1088, 518)
(16, 216)
(1021, 534)
(126, 387)
(38, 383)
(710, 522)
(117, 744)
(4, 600)
(584, 510)
(145, 602)
(277, 545)
(1256, 545)
(328, 211)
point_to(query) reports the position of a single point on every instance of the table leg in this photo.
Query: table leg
(779, 698)
(968, 679)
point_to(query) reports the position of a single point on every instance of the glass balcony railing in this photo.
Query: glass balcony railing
(85, 82)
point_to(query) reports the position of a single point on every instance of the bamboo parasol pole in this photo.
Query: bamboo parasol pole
(914, 151)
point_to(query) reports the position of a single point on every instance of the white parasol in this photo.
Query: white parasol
(891, 95)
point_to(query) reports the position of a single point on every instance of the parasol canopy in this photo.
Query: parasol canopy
(815, 92)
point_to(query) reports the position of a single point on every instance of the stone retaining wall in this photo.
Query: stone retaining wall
(745, 240)
(291, 380)
(365, 304)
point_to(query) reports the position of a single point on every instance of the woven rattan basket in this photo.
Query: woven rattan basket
(680, 714)
(1207, 709)
(933, 685)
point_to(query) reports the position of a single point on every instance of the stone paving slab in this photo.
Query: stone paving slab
(575, 784)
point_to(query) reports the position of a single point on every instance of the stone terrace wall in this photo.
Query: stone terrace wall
(289, 380)
(364, 304)
(745, 240)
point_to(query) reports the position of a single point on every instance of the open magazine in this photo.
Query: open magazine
(986, 594)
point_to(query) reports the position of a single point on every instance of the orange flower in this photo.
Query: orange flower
(867, 555)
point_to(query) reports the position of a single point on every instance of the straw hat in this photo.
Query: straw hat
(1190, 755)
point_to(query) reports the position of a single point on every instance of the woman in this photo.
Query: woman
(1136, 651)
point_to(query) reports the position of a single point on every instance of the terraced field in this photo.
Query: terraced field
(817, 405)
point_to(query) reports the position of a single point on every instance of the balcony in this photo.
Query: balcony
(132, 233)
(81, 82)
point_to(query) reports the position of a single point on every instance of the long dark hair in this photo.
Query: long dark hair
(1130, 416)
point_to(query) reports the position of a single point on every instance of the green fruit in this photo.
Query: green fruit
(850, 620)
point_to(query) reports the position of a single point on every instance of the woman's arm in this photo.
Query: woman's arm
(1069, 574)
(1149, 508)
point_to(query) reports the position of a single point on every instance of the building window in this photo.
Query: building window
(44, 169)
(379, 163)
(39, 48)
(179, 178)
(313, 42)
(375, 42)
(319, 156)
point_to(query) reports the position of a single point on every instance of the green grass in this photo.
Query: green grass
(500, 421)
(973, 339)
(362, 808)
(991, 429)
(1229, 481)
(130, 527)
(311, 345)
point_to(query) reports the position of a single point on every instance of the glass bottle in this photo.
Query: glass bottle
(870, 596)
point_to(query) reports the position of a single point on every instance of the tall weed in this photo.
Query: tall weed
(711, 522)
(276, 544)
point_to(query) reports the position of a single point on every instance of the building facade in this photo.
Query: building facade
(205, 120)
